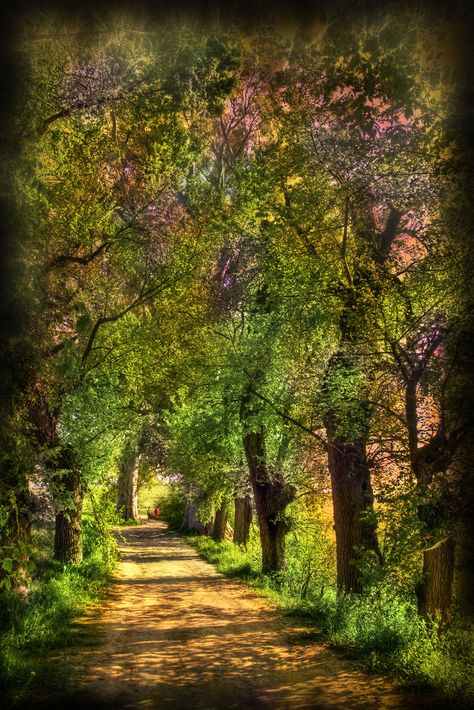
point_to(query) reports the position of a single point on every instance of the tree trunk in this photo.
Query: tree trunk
(352, 498)
(127, 485)
(191, 522)
(243, 519)
(347, 417)
(17, 460)
(220, 522)
(272, 495)
(429, 461)
(16, 534)
(435, 591)
(68, 531)
(208, 527)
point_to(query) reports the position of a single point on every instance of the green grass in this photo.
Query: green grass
(153, 492)
(33, 624)
(379, 629)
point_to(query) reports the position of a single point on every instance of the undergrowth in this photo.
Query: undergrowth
(41, 619)
(380, 628)
(172, 507)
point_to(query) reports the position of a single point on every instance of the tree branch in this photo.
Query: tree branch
(67, 259)
(388, 235)
(290, 419)
(143, 297)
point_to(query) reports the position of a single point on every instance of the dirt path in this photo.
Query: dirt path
(176, 634)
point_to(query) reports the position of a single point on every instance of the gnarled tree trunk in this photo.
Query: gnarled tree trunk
(428, 462)
(192, 523)
(190, 519)
(352, 498)
(208, 527)
(220, 522)
(242, 519)
(435, 591)
(272, 495)
(347, 416)
(347, 427)
(68, 527)
(127, 485)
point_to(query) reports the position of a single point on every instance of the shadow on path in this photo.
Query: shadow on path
(176, 634)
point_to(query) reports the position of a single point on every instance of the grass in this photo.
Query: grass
(34, 624)
(155, 491)
(380, 629)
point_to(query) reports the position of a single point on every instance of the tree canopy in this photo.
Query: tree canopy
(241, 259)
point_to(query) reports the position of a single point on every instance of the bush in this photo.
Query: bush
(380, 627)
(41, 619)
(99, 546)
(232, 560)
(172, 507)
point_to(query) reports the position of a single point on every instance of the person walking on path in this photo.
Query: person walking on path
(157, 510)
(149, 513)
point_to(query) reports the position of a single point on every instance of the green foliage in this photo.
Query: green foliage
(379, 628)
(343, 395)
(230, 559)
(202, 220)
(310, 555)
(387, 633)
(172, 506)
(33, 623)
(99, 545)
(401, 537)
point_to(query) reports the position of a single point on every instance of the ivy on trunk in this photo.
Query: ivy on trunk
(272, 494)
(68, 523)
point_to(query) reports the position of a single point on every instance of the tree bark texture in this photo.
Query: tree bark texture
(242, 519)
(272, 495)
(353, 499)
(429, 463)
(190, 519)
(192, 523)
(434, 457)
(347, 421)
(127, 485)
(68, 528)
(435, 590)
(220, 523)
(208, 527)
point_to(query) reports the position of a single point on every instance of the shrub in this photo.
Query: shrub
(380, 627)
(172, 507)
(40, 620)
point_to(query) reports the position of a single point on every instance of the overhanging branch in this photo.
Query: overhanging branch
(290, 419)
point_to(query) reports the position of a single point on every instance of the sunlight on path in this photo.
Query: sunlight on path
(176, 634)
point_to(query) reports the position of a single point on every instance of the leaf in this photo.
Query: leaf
(6, 583)
(83, 323)
(7, 564)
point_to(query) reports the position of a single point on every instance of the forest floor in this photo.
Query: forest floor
(174, 633)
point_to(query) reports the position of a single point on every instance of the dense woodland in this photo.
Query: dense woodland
(242, 266)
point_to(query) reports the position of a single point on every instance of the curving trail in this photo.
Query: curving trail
(174, 633)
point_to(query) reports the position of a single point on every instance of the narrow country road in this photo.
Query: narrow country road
(174, 633)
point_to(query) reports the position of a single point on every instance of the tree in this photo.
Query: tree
(359, 142)
(127, 484)
(110, 155)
